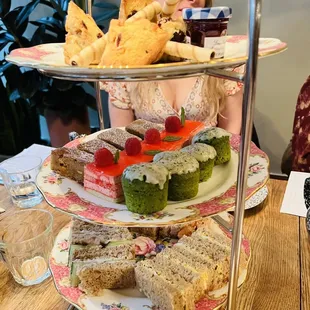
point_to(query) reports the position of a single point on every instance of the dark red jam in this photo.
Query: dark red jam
(199, 29)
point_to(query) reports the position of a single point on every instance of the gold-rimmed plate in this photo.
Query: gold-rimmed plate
(216, 195)
(128, 299)
(49, 60)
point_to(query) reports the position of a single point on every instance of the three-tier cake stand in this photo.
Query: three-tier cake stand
(249, 80)
(216, 69)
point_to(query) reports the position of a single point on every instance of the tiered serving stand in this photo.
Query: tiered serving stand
(182, 70)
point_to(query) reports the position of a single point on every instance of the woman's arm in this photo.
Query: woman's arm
(231, 117)
(120, 117)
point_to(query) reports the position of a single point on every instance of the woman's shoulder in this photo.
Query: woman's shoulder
(118, 94)
(232, 87)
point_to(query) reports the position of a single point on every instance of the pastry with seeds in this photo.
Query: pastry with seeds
(70, 163)
(129, 8)
(137, 43)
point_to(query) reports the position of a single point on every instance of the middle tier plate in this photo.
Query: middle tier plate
(214, 196)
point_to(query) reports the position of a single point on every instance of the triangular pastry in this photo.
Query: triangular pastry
(138, 43)
(129, 7)
(81, 29)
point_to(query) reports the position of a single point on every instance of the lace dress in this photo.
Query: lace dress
(157, 109)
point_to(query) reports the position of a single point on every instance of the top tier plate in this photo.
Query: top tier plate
(49, 60)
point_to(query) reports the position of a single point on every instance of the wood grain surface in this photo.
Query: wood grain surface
(278, 275)
(305, 265)
(39, 297)
(273, 280)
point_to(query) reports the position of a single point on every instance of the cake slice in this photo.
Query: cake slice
(184, 258)
(70, 163)
(102, 237)
(84, 235)
(215, 257)
(103, 185)
(83, 227)
(94, 145)
(207, 245)
(97, 254)
(116, 137)
(140, 126)
(185, 271)
(92, 246)
(207, 228)
(121, 250)
(98, 275)
(166, 290)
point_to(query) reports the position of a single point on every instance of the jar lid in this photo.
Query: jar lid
(207, 13)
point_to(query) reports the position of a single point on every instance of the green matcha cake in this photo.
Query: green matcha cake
(219, 139)
(185, 174)
(145, 187)
(205, 155)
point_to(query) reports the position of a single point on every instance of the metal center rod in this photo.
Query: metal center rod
(246, 133)
(97, 84)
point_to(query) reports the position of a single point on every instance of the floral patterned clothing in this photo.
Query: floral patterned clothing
(301, 131)
(196, 107)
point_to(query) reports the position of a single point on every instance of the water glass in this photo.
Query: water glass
(19, 177)
(26, 241)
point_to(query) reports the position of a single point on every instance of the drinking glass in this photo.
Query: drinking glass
(19, 176)
(26, 241)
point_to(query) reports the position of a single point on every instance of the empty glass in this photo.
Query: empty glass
(19, 177)
(26, 241)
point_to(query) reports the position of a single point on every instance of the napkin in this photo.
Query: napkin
(37, 150)
(293, 202)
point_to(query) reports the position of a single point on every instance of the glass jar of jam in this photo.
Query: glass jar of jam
(207, 27)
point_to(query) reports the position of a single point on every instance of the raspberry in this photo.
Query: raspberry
(152, 136)
(173, 124)
(133, 146)
(103, 158)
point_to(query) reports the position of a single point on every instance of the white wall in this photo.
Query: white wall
(279, 77)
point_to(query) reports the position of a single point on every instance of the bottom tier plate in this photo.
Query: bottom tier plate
(123, 299)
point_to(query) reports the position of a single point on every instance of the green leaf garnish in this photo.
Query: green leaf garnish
(116, 157)
(183, 117)
(152, 152)
(172, 138)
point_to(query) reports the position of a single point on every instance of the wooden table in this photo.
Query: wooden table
(278, 275)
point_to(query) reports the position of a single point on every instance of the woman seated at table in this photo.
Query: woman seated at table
(297, 154)
(216, 102)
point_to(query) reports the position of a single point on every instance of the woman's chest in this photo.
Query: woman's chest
(177, 92)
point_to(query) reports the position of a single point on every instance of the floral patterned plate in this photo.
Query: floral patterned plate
(214, 196)
(125, 299)
(49, 59)
(257, 198)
